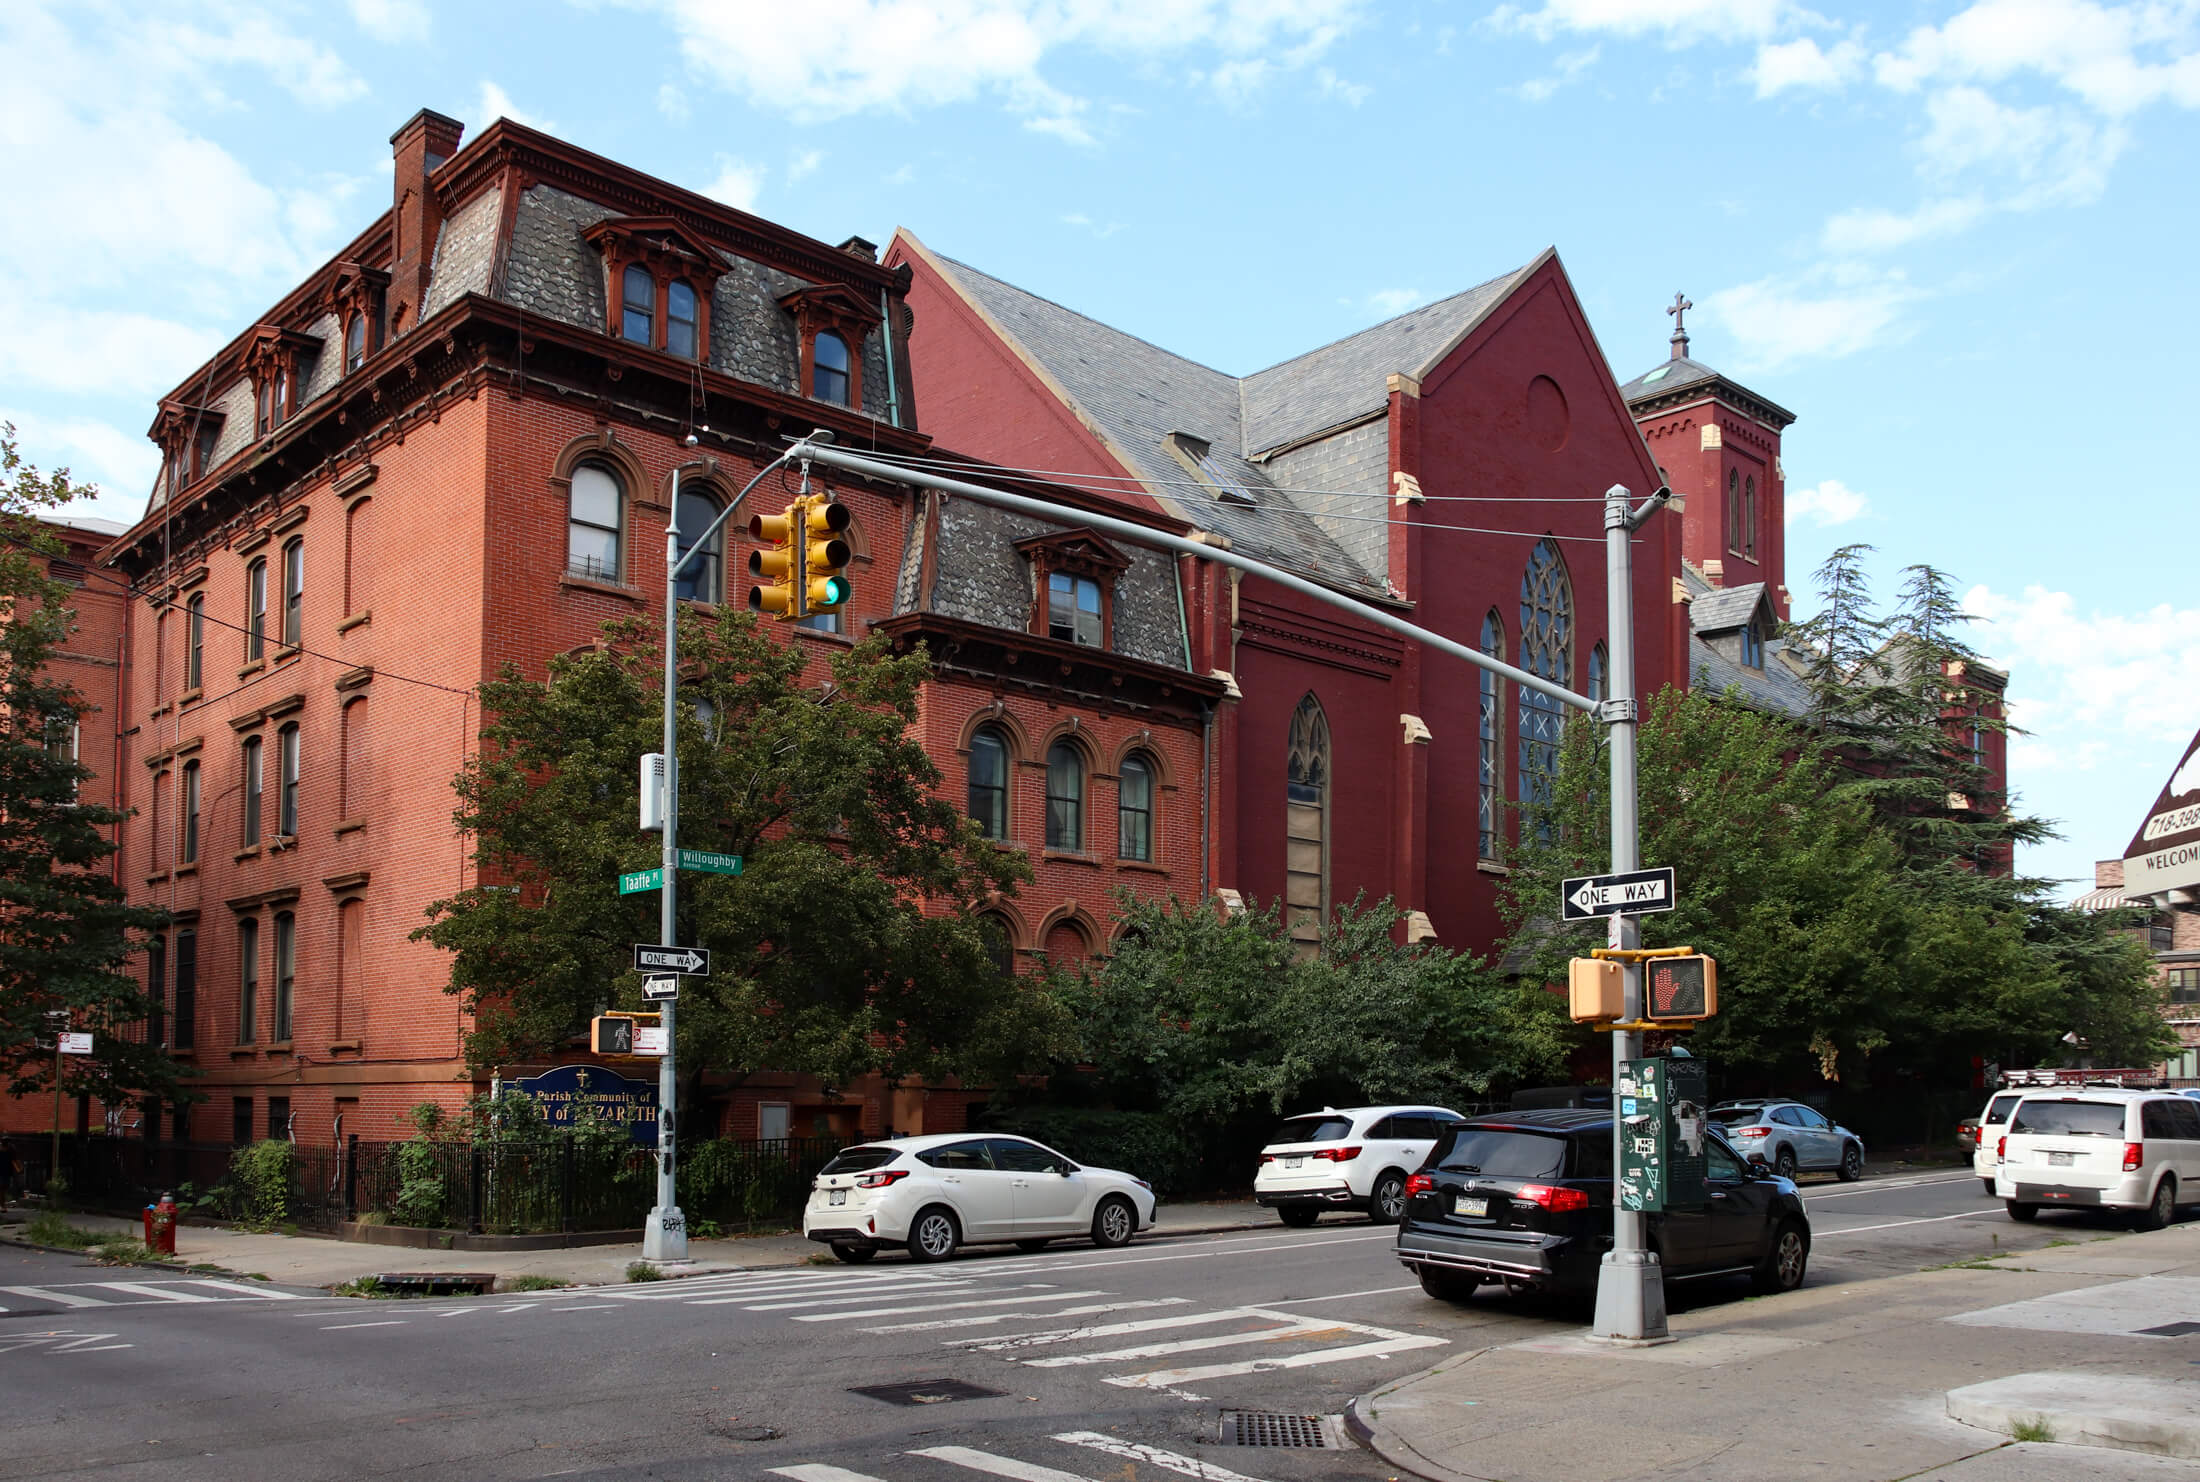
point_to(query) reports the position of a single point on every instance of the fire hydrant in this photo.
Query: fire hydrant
(160, 1226)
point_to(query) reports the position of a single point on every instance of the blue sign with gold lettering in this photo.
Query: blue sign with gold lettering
(572, 1093)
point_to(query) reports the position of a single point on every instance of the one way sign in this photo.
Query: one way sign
(694, 961)
(1630, 894)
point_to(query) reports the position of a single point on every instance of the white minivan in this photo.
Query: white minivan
(1992, 1123)
(2137, 1151)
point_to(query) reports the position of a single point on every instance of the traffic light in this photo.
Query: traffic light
(776, 560)
(1680, 988)
(1595, 990)
(611, 1034)
(825, 555)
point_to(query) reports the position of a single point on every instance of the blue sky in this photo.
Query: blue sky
(1954, 238)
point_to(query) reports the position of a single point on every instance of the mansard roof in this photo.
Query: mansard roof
(1681, 379)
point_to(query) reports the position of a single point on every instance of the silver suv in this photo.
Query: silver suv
(1789, 1138)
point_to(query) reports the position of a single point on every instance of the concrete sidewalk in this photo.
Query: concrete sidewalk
(1856, 1383)
(308, 1260)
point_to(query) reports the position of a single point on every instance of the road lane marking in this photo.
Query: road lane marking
(262, 1293)
(47, 1294)
(999, 1466)
(587, 1307)
(1225, 1248)
(1181, 1345)
(1106, 1330)
(157, 1293)
(1888, 1188)
(1203, 1471)
(870, 1296)
(394, 1322)
(1373, 1291)
(941, 1306)
(1171, 1378)
(813, 1472)
(994, 1317)
(1938, 1219)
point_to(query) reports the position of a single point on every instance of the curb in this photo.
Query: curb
(179, 1267)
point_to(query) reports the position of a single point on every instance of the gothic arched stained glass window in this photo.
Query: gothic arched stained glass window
(1546, 649)
(1491, 783)
(1306, 824)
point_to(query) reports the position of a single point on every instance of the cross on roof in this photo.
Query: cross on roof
(1681, 305)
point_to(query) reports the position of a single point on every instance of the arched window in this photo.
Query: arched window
(1134, 809)
(1749, 517)
(704, 578)
(252, 778)
(194, 642)
(1599, 675)
(286, 973)
(1065, 797)
(282, 397)
(592, 529)
(190, 819)
(989, 781)
(187, 990)
(355, 343)
(829, 368)
(1306, 824)
(1546, 649)
(1067, 941)
(1734, 511)
(255, 610)
(680, 319)
(286, 797)
(1491, 780)
(358, 534)
(638, 306)
(294, 593)
(350, 924)
(1000, 941)
(351, 761)
(248, 980)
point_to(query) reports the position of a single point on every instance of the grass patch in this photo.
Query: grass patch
(2035, 1429)
(539, 1283)
(643, 1271)
(1976, 1263)
(361, 1286)
(48, 1227)
(123, 1252)
(2058, 1240)
(822, 1258)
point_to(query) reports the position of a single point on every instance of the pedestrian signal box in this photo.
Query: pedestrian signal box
(1595, 990)
(1680, 988)
(612, 1034)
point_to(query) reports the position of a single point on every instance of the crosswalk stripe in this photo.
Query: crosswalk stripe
(264, 1293)
(998, 1317)
(148, 1289)
(1204, 1471)
(45, 1294)
(813, 1472)
(999, 1466)
(1107, 1330)
(1181, 1345)
(781, 1300)
(1171, 1378)
(942, 1306)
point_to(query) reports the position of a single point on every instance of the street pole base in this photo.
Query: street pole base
(665, 1238)
(1630, 1300)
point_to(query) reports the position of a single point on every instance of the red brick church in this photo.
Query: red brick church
(452, 447)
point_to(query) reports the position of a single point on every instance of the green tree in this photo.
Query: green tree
(850, 943)
(66, 929)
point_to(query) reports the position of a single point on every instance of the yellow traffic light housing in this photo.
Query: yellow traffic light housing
(611, 1034)
(1680, 988)
(776, 560)
(825, 555)
(1595, 990)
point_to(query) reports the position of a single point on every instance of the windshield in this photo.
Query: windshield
(1314, 1129)
(1736, 1116)
(1501, 1154)
(2071, 1118)
(860, 1160)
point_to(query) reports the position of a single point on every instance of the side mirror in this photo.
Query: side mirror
(1064, 1169)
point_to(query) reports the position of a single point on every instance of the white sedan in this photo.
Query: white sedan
(935, 1194)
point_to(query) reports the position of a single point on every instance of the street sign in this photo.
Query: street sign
(641, 880)
(1629, 894)
(693, 961)
(649, 1039)
(660, 990)
(76, 1044)
(709, 863)
(1661, 1106)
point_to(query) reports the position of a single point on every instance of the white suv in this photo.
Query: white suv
(1992, 1123)
(1358, 1158)
(2129, 1150)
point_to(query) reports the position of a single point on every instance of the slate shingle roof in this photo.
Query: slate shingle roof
(1670, 375)
(1776, 687)
(1723, 609)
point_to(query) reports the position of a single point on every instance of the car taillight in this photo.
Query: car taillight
(881, 1179)
(2134, 1155)
(1337, 1155)
(1268, 1157)
(1551, 1197)
(1420, 1183)
(2001, 1150)
(1752, 1131)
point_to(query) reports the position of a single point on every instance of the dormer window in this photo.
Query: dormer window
(659, 277)
(1074, 574)
(1753, 646)
(187, 435)
(680, 319)
(355, 343)
(638, 307)
(831, 322)
(829, 369)
(1197, 454)
(272, 362)
(355, 296)
(1073, 609)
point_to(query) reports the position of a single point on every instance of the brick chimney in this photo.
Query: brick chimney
(1714, 572)
(426, 141)
(2108, 874)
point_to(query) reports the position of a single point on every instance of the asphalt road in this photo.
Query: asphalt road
(1089, 1366)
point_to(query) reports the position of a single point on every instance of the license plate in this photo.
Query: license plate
(1294, 1162)
(837, 1196)
(2059, 1160)
(1464, 1205)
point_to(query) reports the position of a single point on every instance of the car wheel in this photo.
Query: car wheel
(1783, 1163)
(1448, 1286)
(2162, 1208)
(854, 1255)
(1298, 1216)
(934, 1235)
(1387, 1204)
(1029, 1247)
(1989, 1183)
(1785, 1260)
(2023, 1214)
(1114, 1223)
(1852, 1163)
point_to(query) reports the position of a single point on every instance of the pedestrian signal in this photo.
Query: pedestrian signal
(611, 1034)
(1680, 988)
(1596, 990)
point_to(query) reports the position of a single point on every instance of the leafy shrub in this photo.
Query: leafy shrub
(49, 1228)
(643, 1271)
(260, 1178)
(419, 1183)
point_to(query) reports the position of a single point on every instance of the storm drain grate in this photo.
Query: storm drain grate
(2171, 1330)
(925, 1392)
(1266, 1428)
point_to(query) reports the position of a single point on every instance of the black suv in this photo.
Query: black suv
(1525, 1198)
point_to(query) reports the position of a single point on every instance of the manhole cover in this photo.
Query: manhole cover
(2171, 1330)
(1266, 1428)
(925, 1392)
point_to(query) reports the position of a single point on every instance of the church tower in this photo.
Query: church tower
(1718, 443)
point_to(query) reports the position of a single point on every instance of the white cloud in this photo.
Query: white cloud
(672, 103)
(1678, 20)
(1236, 81)
(310, 72)
(1389, 302)
(121, 464)
(1870, 229)
(1570, 66)
(1802, 64)
(2118, 58)
(1826, 313)
(805, 162)
(1085, 223)
(392, 20)
(493, 103)
(2133, 676)
(1824, 504)
(737, 184)
(1352, 94)
(2052, 156)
